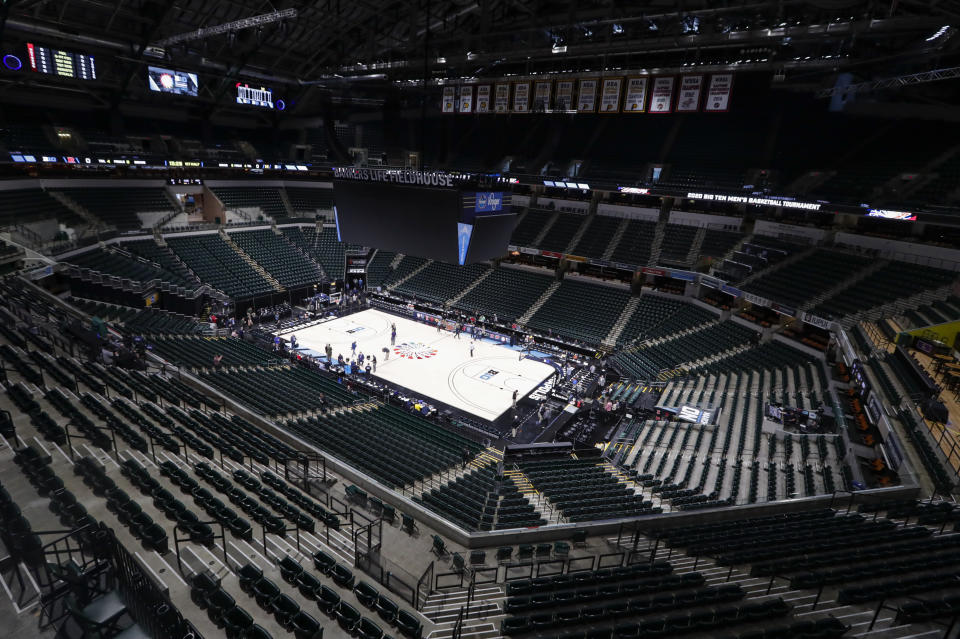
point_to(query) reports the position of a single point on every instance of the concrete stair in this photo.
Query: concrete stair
(523, 319)
(656, 247)
(249, 260)
(456, 298)
(82, 211)
(286, 201)
(695, 247)
(546, 228)
(615, 240)
(296, 247)
(579, 234)
(489, 455)
(621, 323)
(413, 273)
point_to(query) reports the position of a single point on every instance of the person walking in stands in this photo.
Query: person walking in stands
(217, 361)
(373, 360)
(353, 348)
(540, 414)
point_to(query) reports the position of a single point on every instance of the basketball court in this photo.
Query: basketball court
(430, 363)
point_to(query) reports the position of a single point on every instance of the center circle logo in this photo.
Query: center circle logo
(414, 350)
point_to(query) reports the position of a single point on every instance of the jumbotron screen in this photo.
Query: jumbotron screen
(438, 223)
(171, 81)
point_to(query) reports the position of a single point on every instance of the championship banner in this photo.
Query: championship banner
(718, 97)
(541, 95)
(661, 98)
(501, 102)
(636, 99)
(587, 99)
(610, 98)
(521, 97)
(466, 99)
(483, 98)
(449, 99)
(565, 95)
(688, 99)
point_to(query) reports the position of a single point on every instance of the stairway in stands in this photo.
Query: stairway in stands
(523, 319)
(252, 262)
(615, 240)
(621, 323)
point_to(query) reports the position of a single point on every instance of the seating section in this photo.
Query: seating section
(660, 360)
(580, 310)
(695, 466)
(636, 243)
(31, 205)
(890, 282)
(864, 559)
(530, 226)
(267, 199)
(480, 500)
(282, 390)
(378, 269)
(372, 440)
(506, 292)
(120, 264)
(561, 232)
(307, 200)
(659, 316)
(717, 244)
(597, 236)
(408, 264)
(583, 491)
(677, 242)
(162, 256)
(119, 205)
(440, 281)
(146, 321)
(937, 312)
(198, 352)
(808, 277)
(285, 263)
(323, 247)
(217, 264)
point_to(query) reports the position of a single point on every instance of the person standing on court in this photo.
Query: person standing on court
(514, 398)
(393, 334)
(373, 360)
(471, 348)
(353, 348)
(329, 351)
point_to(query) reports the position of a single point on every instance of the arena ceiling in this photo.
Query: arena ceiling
(361, 49)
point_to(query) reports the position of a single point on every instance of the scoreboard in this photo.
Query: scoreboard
(261, 97)
(65, 64)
